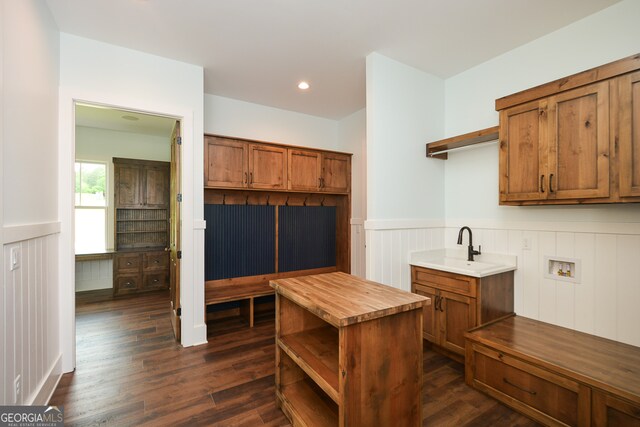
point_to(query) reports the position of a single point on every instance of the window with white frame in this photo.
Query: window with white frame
(91, 207)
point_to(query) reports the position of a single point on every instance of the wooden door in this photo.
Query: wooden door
(128, 183)
(523, 145)
(579, 143)
(628, 116)
(457, 315)
(156, 187)
(174, 233)
(336, 173)
(304, 170)
(226, 163)
(267, 167)
(429, 312)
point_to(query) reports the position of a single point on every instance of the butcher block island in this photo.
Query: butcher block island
(348, 352)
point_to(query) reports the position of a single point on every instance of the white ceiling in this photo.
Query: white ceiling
(121, 120)
(257, 50)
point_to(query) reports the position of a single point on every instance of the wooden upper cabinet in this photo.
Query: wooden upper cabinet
(628, 116)
(128, 182)
(579, 143)
(584, 144)
(304, 170)
(523, 152)
(226, 163)
(141, 183)
(557, 148)
(156, 188)
(267, 167)
(336, 173)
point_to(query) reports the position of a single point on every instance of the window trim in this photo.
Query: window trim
(106, 205)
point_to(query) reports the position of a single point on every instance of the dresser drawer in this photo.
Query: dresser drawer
(126, 284)
(459, 284)
(127, 262)
(155, 260)
(155, 281)
(538, 393)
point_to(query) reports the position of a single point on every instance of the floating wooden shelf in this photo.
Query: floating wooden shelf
(436, 148)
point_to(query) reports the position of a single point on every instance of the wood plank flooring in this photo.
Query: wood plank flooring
(131, 372)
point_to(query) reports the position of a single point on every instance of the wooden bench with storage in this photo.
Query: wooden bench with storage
(555, 375)
(218, 294)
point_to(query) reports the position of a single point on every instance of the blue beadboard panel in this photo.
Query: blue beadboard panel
(239, 241)
(306, 237)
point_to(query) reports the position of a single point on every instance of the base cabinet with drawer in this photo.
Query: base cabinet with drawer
(554, 375)
(143, 271)
(459, 304)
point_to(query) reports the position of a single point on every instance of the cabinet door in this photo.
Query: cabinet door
(225, 163)
(457, 315)
(304, 170)
(628, 114)
(429, 315)
(579, 143)
(336, 173)
(156, 194)
(523, 145)
(127, 183)
(611, 411)
(267, 167)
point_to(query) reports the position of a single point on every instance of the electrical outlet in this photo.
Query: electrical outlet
(14, 258)
(17, 390)
(526, 244)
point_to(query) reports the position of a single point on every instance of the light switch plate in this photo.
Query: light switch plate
(14, 258)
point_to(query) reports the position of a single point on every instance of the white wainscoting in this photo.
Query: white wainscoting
(388, 250)
(92, 275)
(29, 321)
(603, 304)
(358, 256)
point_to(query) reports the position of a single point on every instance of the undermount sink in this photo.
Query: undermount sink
(455, 261)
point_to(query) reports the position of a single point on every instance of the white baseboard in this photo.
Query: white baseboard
(48, 385)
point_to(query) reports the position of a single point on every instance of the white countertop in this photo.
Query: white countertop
(454, 260)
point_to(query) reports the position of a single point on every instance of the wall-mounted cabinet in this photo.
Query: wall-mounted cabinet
(572, 141)
(141, 184)
(240, 164)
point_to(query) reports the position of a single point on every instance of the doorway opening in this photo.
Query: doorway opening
(127, 209)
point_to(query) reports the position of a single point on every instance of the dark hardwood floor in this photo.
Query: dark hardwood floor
(130, 371)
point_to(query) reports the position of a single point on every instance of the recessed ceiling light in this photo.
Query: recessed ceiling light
(303, 85)
(132, 118)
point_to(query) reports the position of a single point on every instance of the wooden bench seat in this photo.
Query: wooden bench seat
(245, 293)
(555, 375)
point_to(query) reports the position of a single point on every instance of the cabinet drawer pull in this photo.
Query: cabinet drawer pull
(542, 183)
(128, 283)
(532, 393)
(551, 183)
(155, 280)
(128, 262)
(155, 261)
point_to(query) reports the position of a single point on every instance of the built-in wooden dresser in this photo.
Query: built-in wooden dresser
(555, 375)
(348, 352)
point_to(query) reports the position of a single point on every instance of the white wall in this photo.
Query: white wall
(352, 137)
(105, 74)
(29, 313)
(603, 236)
(230, 117)
(405, 190)
(404, 111)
